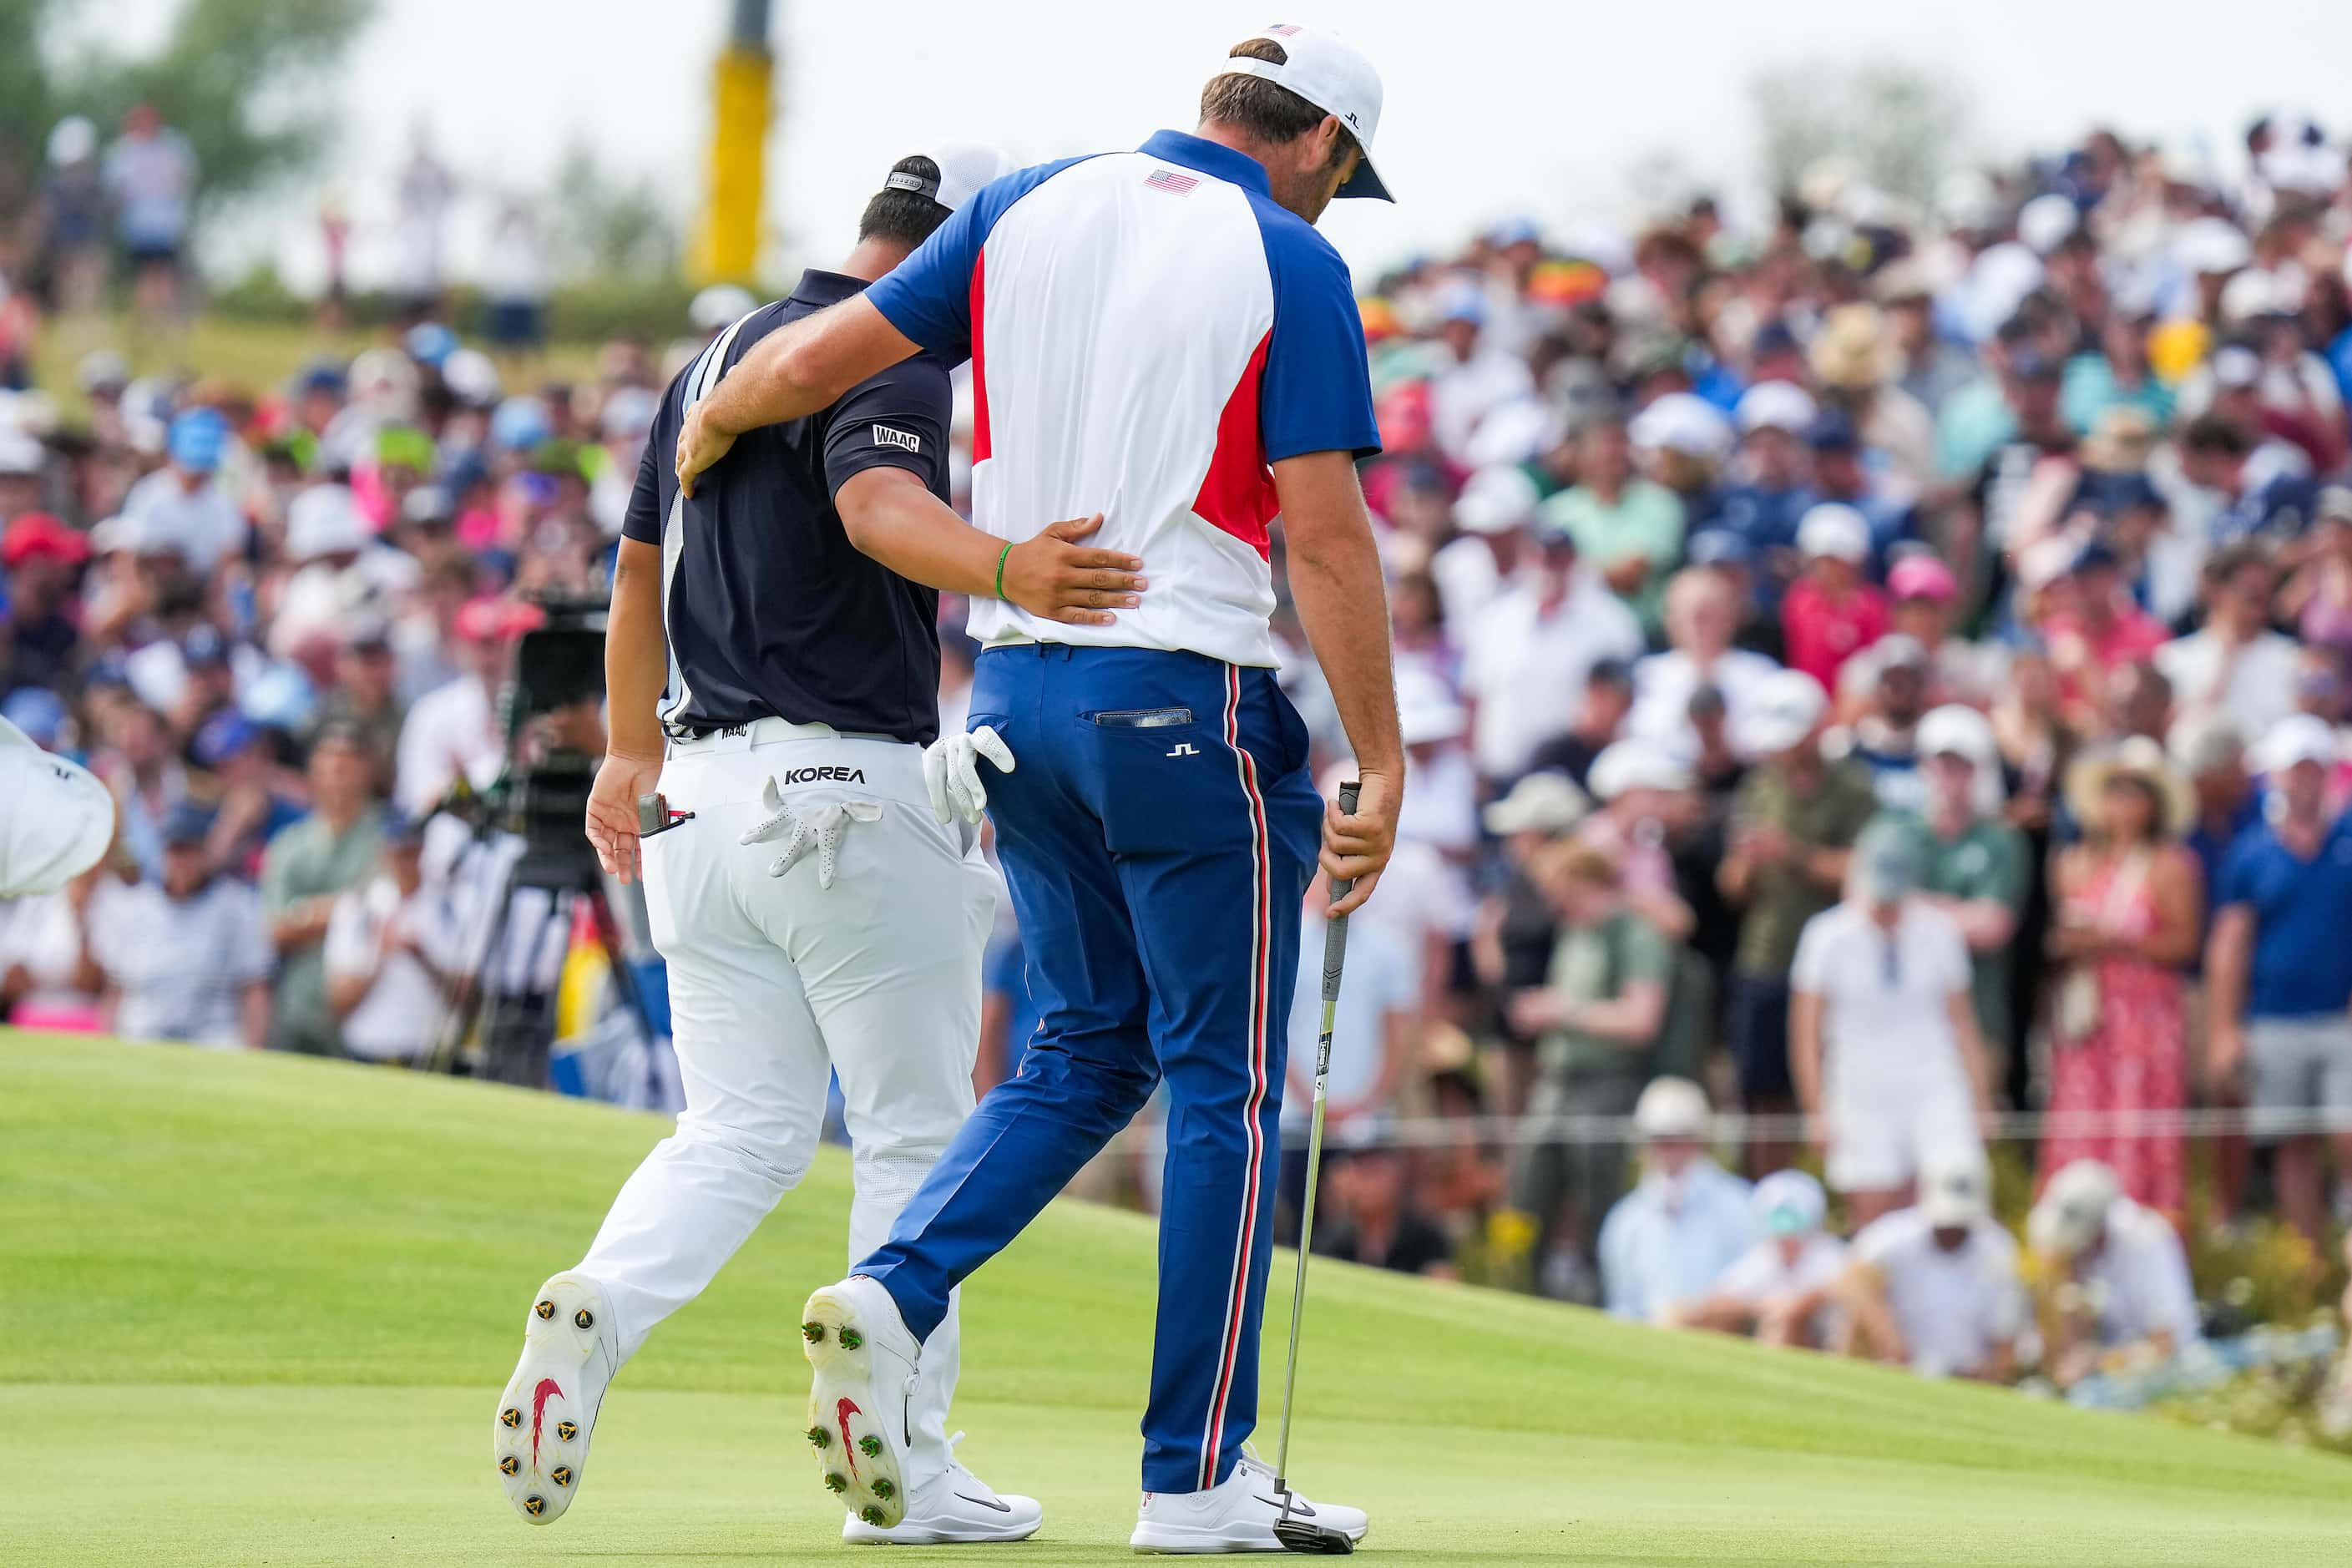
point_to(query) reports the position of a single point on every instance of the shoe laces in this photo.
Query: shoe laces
(958, 1474)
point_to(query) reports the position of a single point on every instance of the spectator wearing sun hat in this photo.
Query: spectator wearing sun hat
(2128, 907)
(1832, 611)
(1854, 359)
(2278, 969)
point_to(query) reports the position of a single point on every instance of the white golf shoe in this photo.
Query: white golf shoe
(952, 1507)
(861, 1357)
(1237, 1515)
(541, 1435)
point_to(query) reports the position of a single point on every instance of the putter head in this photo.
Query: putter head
(1298, 1533)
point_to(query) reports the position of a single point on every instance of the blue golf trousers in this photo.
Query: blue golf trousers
(1157, 833)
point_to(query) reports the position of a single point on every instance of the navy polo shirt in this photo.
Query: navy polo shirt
(769, 609)
(2303, 911)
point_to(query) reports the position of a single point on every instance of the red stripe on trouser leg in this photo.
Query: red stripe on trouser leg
(1213, 1437)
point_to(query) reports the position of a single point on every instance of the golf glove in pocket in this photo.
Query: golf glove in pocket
(802, 827)
(951, 772)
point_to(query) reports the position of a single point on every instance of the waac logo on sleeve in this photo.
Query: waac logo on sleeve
(883, 436)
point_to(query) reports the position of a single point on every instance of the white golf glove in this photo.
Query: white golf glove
(803, 827)
(951, 772)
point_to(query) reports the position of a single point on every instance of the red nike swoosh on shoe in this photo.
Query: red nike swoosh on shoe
(547, 1385)
(841, 1412)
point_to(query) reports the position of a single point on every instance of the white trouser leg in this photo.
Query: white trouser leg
(753, 1062)
(772, 980)
(897, 997)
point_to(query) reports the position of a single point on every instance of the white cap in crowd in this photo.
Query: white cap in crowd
(1671, 1107)
(1335, 76)
(1776, 405)
(1683, 422)
(1426, 715)
(2298, 737)
(964, 168)
(1955, 1187)
(1631, 764)
(1787, 706)
(1540, 803)
(1835, 530)
(1955, 729)
(2072, 1211)
(1789, 1203)
(2212, 244)
(1496, 501)
(324, 520)
(2047, 222)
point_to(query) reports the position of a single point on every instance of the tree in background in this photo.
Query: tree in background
(608, 223)
(1901, 127)
(247, 82)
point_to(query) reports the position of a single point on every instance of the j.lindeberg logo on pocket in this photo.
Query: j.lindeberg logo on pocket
(1185, 748)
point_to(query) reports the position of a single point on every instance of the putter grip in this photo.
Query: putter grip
(1335, 932)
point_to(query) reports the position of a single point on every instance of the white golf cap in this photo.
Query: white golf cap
(1671, 1107)
(59, 822)
(2073, 1210)
(1955, 729)
(1787, 705)
(1835, 530)
(1539, 803)
(324, 520)
(1496, 500)
(1636, 765)
(1776, 405)
(1955, 1187)
(2047, 222)
(1685, 423)
(2298, 737)
(1333, 76)
(964, 168)
(1427, 714)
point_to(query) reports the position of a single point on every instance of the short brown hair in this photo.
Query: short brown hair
(1261, 110)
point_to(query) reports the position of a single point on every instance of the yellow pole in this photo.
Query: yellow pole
(727, 244)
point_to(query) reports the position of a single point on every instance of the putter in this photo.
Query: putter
(1299, 1533)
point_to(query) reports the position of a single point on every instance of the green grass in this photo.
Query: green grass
(257, 1310)
(257, 356)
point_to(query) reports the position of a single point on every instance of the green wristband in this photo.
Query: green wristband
(1000, 568)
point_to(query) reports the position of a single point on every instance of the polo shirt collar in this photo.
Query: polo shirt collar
(1212, 158)
(819, 287)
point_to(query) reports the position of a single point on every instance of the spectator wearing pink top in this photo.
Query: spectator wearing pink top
(1831, 612)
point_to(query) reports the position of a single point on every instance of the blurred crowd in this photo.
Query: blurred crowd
(1876, 670)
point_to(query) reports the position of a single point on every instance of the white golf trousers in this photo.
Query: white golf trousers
(775, 980)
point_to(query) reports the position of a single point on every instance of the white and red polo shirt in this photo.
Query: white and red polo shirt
(1148, 331)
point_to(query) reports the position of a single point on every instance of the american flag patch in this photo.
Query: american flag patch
(1169, 181)
(1282, 30)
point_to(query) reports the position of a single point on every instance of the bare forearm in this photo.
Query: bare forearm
(2225, 965)
(1805, 1050)
(636, 658)
(1342, 602)
(915, 534)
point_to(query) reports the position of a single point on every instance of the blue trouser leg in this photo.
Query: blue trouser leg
(1157, 870)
